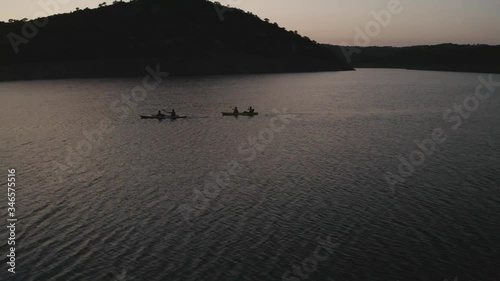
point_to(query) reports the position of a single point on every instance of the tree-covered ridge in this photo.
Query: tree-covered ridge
(449, 57)
(184, 34)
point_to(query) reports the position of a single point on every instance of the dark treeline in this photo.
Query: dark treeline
(184, 36)
(445, 57)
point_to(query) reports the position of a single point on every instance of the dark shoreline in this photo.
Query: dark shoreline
(479, 71)
(443, 57)
(137, 68)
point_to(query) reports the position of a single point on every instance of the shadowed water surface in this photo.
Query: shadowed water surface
(114, 215)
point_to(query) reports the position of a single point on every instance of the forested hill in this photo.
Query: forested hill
(184, 36)
(445, 57)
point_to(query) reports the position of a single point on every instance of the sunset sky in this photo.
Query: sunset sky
(334, 21)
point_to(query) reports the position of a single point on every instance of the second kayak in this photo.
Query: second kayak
(240, 113)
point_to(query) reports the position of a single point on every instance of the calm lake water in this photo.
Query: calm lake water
(304, 196)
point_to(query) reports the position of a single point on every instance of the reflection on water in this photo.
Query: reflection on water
(116, 211)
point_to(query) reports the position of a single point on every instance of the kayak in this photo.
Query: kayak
(162, 117)
(246, 113)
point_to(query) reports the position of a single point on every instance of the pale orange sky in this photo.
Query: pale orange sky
(334, 21)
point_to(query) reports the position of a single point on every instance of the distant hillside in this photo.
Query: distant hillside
(185, 36)
(445, 57)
